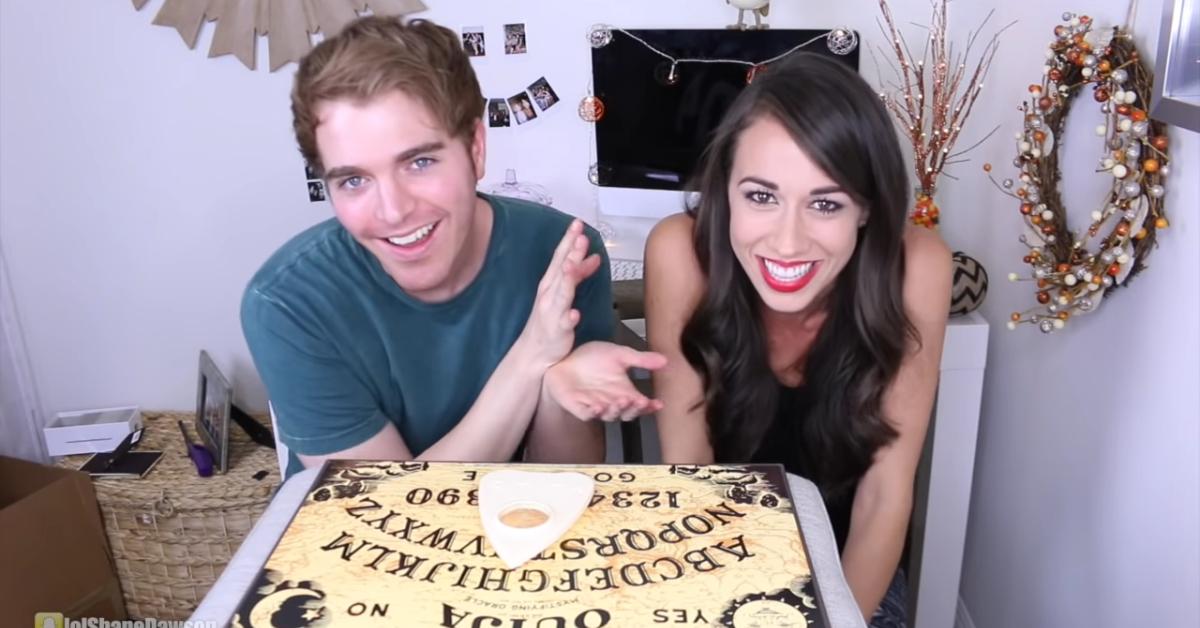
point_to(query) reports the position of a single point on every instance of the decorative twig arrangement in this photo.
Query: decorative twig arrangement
(932, 96)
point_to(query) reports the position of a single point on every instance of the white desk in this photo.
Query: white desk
(943, 490)
(223, 598)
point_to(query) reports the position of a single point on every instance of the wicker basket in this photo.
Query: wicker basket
(172, 532)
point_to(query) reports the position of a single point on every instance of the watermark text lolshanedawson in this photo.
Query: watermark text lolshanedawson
(57, 620)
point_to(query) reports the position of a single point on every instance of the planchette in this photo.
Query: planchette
(523, 512)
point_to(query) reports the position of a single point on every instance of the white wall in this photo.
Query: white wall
(1086, 503)
(20, 416)
(141, 184)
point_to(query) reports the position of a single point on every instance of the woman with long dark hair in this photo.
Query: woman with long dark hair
(801, 319)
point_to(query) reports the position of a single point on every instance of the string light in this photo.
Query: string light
(840, 41)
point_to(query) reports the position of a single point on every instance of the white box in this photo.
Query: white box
(90, 431)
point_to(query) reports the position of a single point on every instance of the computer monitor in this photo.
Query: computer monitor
(653, 132)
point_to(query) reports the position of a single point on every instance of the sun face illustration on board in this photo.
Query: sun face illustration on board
(287, 24)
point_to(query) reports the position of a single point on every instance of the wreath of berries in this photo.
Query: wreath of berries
(1075, 270)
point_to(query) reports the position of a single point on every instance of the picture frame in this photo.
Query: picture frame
(1176, 99)
(214, 404)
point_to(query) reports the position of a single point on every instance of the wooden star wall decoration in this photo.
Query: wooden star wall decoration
(287, 24)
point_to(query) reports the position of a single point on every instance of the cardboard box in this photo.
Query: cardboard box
(56, 555)
(90, 431)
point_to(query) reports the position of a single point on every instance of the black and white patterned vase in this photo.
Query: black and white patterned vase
(970, 284)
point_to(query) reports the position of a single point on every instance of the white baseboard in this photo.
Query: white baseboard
(962, 618)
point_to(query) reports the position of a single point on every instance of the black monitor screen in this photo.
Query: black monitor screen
(653, 132)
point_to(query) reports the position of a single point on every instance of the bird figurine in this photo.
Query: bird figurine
(758, 8)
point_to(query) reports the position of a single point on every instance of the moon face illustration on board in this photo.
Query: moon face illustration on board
(300, 604)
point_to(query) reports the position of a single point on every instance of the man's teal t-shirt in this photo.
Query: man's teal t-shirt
(343, 350)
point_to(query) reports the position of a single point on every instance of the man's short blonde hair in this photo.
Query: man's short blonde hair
(376, 55)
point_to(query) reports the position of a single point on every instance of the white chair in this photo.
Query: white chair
(943, 484)
(281, 450)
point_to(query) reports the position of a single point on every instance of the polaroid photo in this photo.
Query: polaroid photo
(514, 39)
(522, 108)
(543, 94)
(316, 191)
(472, 38)
(310, 172)
(498, 114)
(214, 403)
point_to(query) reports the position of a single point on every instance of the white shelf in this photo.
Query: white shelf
(943, 490)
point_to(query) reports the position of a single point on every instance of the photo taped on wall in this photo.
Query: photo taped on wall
(473, 41)
(522, 108)
(543, 94)
(498, 114)
(316, 191)
(514, 39)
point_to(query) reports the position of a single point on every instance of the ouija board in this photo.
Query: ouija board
(402, 544)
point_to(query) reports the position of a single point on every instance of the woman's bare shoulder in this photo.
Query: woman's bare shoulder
(928, 272)
(672, 232)
(673, 275)
(923, 245)
(670, 246)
